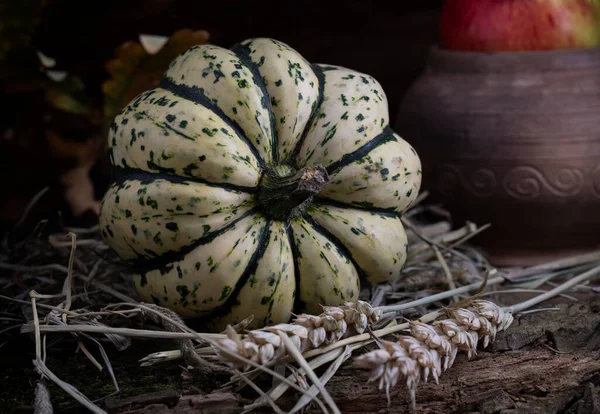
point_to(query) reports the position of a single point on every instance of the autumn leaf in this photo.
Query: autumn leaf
(81, 156)
(139, 66)
(79, 192)
(68, 95)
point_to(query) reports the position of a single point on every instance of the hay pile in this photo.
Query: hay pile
(70, 288)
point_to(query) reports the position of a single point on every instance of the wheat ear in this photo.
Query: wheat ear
(305, 331)
(431, 349)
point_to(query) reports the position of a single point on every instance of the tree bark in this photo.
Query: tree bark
(547, 362)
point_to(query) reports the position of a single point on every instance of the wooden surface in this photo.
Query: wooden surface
(547, 362)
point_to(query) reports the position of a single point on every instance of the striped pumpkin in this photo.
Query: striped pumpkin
(251, 182)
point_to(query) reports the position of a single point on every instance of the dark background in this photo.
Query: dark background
(388, 40)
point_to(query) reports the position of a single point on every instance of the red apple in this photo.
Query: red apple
(517, 25)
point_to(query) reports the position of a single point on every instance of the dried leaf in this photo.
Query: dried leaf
(80, 191)
(57, 75)
(69, 95)
(153, 43)
(135, 70)
(46, 61)
(79, 188)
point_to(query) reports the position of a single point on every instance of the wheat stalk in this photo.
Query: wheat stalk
(305, 332)
(431, 349)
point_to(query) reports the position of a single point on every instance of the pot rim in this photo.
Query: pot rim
(442, 60)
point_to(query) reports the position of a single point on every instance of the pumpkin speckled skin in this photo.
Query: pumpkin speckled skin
(190, 156)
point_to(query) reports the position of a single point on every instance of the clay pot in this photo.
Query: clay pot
(512, 139)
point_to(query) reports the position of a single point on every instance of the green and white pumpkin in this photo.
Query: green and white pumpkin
(252, 182)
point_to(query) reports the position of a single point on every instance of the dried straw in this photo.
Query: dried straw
(439, 293)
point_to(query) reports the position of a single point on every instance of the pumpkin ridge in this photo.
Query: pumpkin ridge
(298, 302)
(326, 274)
(376, 243)
(318, 70)
(143, 265)
(206, 148)
(322, 201)
(121, 175)
(196, 95)
(384, 137)
(277, 283)
(261, 247)
(243, 53)
(364, 281)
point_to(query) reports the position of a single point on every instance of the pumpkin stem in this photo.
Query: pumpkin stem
(285, 192)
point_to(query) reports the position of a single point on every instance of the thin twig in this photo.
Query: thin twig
(512, 291)
(315, 363)
(43, 370)
(82, 230)
(89, 356)
(68, 388)
(39, 305)
(447, 271)
(295, 352)
(67, 288)
(85, 242)
(439, 296)
(571, 261)
(23, 268)
(107, 289)
(552, 293)
(266, 369)
(467, 237)
(30, 205)
(442, 239)
(260, 392)
(409, 224)
(36, 327)
(538, 310)
(139, 333)
(346, 353)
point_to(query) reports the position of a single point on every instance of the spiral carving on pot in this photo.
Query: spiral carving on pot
(481, 183)
(526, 182)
